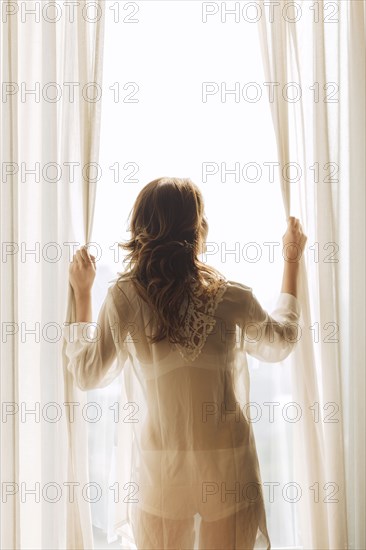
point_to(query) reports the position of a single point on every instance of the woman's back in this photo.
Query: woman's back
(179, 331)
(185, 438)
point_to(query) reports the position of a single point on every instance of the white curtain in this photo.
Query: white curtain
(51, 65)
(302, 50)
(353, 231)
(45, 207)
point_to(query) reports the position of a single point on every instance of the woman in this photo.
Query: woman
(179, 331)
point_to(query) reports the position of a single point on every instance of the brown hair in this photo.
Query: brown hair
(168, 228)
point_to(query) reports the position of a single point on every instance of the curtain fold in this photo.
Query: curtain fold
(273, 42)
(353, 201)
(79, 525)
(50, 129)
(312, 132)
(8, 275)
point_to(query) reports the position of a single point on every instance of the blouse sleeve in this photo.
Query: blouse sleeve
(97, 352)
(272, 337)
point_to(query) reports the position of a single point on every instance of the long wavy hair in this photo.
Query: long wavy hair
(168, 231)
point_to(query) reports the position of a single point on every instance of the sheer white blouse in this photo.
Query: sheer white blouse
(185, 441)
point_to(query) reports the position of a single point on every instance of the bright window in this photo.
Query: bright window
(157, 121)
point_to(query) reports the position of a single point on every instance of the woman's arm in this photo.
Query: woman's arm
(272, 337)
(293, 246)
(83, 304)
(92, 358)
(289, 278)
(82, 274)
(96, 351)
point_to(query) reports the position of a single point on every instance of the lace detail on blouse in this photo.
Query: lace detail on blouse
(199, 319)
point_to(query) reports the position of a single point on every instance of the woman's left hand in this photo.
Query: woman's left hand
(82, 272)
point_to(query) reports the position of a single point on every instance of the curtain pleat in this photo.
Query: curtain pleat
(10, 533)
(79, 526)
(275, 70)
(354, 306)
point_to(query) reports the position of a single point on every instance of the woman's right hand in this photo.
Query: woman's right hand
(294, 235)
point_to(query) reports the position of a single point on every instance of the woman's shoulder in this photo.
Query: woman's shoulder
(237, 301)
(233, 284)
(121, 290)
(237, 291)
(234, 294)
(233, 288)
